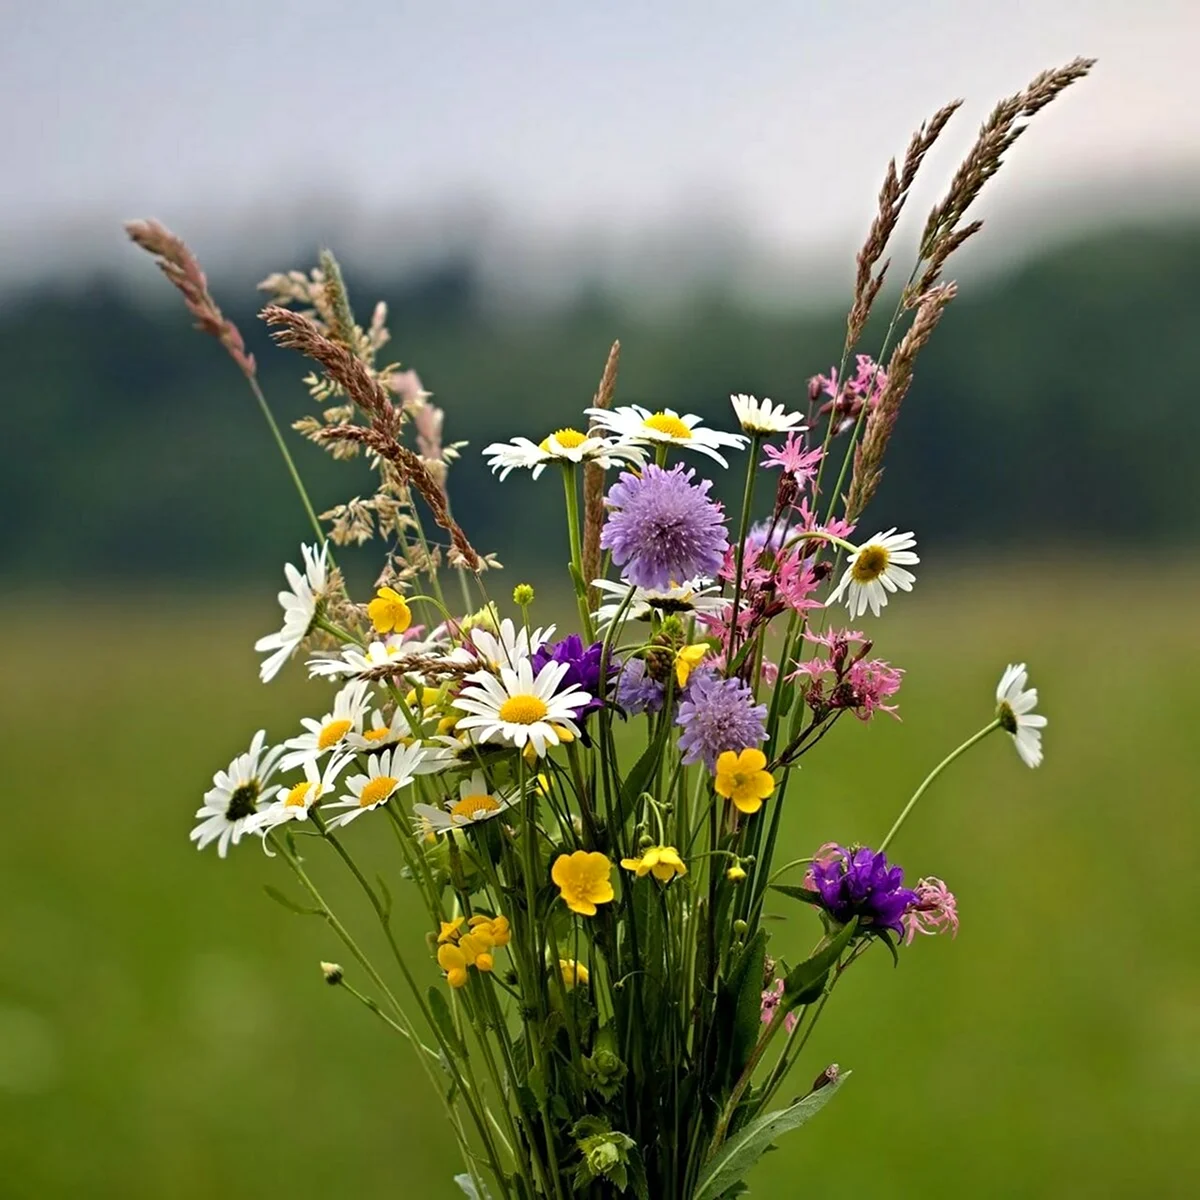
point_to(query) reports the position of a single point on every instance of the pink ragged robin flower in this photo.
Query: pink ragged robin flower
(935, 911)
(794, 458)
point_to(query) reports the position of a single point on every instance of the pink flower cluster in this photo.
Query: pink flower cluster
(770, 1002)
(840, 680)
(847, 397)
(935, 911)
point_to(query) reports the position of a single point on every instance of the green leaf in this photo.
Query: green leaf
(797, 893)
(739, 1009)
(733, 1161)
(291, 905)
(443, 1019)
(804, 982)
(641, 774)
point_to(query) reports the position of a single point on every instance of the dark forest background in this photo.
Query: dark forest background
(1057, 403)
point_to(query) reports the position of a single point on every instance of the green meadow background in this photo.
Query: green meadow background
(164, 1030)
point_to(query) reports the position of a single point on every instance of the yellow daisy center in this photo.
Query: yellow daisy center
(669, 424)
(376, 735)
(375, 790)
(523, 710)
(473, 806)
(332, 733)
(870, 563)
(297, 795)
(568, 439)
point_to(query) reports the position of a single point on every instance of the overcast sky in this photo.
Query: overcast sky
(240, 122)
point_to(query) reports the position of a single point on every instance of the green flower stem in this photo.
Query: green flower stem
(342, 635)
(573, 533)
(291, 466)
(971, 741)
(740, 555)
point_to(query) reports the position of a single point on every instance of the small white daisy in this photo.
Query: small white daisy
(232, 802)
(564, 445)
(695, 596)
(876, 568)
(1014, 711)
(633, 423)
(299, 611)
(384, 732)
(476, 802)
(763, 417)
(320, 736)
(519, 709)
(508, 645)
(386, 774)
(294, 803)
(354, 660)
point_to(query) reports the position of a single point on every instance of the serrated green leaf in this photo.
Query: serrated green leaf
(444, 1020)
(804, 982)
(291, 905)
(734, 1159)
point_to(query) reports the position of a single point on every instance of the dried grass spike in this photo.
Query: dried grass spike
(593, 480)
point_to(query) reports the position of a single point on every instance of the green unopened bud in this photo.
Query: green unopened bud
(523, 595)
(740, 927)
(332, 973)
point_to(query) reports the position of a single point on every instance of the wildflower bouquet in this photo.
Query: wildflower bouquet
(591, 819)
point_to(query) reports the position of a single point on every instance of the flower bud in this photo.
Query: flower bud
(332, 973)
(523, 595)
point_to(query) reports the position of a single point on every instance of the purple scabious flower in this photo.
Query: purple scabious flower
(583, 667)
(717, 715)
(636, 691)
(663, 528)
(859, 883)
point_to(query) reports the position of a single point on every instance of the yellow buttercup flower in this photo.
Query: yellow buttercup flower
(688, 659)
(454, 962)
(389, 611)
(449, 931)
(583, 880)
(743, 779)
(572, 972)
(663, 862)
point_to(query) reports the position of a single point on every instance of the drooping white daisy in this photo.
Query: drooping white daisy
(386, 774)
(320, 736)
(508, 645)
(695, 596)
(763, 417)
(633, 423)
(476, 802)
(234, 799)
(294, 803)
(563, 445)
(354, 660)
(1014, 711)
(299, 611)
(876, 568)
(518, 709)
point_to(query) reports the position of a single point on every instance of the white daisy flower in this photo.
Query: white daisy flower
(633, 423)
(763, 417)
(299, 611)
(384, 732)
(232, 802)
(320, 736)
(695, 596)
(354, 660)
(1014, 711)
(386, 774)
(293, 803)
(476, 802)
(508, 645)
(876, 568)
(563, 445)
(519, 709)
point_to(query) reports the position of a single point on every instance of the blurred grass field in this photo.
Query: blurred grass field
(164, 1031)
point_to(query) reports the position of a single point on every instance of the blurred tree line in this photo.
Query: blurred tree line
(1055, 405)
